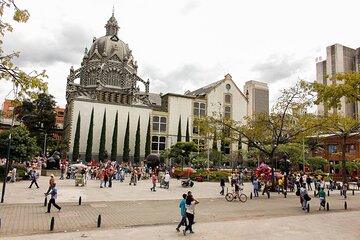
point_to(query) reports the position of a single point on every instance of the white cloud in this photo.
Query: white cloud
(182, 45)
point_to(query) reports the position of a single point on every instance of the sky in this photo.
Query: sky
(183, 45)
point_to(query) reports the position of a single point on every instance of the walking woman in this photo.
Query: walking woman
(190, 211)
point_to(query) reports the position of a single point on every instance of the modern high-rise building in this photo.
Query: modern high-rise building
(258, 96)
(339, 59)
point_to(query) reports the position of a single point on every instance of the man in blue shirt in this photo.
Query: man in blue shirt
(53, 193)
(33, 176)
(182, 212)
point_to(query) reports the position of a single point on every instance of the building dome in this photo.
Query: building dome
(107, 46)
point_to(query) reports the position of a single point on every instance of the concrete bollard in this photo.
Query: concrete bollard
(79, 200)
(345, 205)
(99, 221)
(250, 195)
(45, 201)
(327, 206)
(52, 223)
(308, 207)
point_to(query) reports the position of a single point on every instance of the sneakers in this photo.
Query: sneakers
(184, 232)
(192, 232)
(59, 209)
(178, 230)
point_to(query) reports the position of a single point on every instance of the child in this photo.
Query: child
(322, 198)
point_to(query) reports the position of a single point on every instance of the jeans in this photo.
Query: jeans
(182, 221)
(153, 187)
(304, 204)
(101, 183)
(256, 193)
(222, 190)
(34, 181)
(52, 201)
(190, 217)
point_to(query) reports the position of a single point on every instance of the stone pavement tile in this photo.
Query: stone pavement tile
(315, 226)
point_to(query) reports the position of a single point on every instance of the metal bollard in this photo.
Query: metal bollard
(314, 193)
(79, 200)
(341, 192)
(250, 195)
(308, 207)
(0, 223)
(52, 223)
(328, 193)
(227, 190)
(327, 206)
(285, 193)
(99, 221)
(268, 193)
(353, 192)
(45, 201)
(345, 205)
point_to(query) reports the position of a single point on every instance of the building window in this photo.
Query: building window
(350, 148)
(228, 111)
(199, 109)
(227, 99)
(333, 148)
(159, 124)
(157, 144)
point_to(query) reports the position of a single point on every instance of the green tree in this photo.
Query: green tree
(102, 139)
(76, 146)
(89, 145)
(181, 151)
(343, 85)
(28, 84)
(187, 138)
(148, 140)
(23, 147)
(286, 123)
(179, 136)
(316, 163)
(114, 140)
(137, 143)
(342, 127)
(126, 150)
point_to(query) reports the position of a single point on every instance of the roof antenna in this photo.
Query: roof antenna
(113, 11)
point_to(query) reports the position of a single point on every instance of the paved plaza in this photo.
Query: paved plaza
(134, 212)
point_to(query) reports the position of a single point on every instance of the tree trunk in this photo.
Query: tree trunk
(344, 178)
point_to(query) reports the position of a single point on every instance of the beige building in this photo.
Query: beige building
(107, 81)
(339, 59)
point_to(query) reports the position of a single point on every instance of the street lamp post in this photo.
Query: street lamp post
(6, 170)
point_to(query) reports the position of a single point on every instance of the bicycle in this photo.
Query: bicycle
(231, 196)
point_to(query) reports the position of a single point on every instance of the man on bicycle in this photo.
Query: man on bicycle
(237, 189)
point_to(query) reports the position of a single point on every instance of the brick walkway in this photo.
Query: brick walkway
(27, 219)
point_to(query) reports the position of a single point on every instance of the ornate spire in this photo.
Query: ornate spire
(112, 25)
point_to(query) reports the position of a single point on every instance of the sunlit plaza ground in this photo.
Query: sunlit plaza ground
(134, 212)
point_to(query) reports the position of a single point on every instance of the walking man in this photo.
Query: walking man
(53, 193)
(33, 178)
(182, 212)
(222, 185)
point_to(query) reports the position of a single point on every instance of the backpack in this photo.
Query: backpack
(298, 192)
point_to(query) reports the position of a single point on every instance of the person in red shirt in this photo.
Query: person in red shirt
(101, 177)
(153, 180)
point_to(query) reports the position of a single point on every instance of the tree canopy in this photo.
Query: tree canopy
(26, 84)
(23, 147)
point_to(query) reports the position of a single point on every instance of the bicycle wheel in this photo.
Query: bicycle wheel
(243, 198)
(229, 197)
